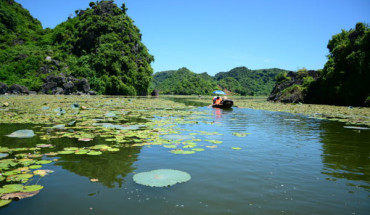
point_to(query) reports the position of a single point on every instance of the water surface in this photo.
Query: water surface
(287, 164)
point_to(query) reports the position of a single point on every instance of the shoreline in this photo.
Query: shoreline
(347, 114)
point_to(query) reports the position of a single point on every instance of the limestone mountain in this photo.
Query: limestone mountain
(100, 43)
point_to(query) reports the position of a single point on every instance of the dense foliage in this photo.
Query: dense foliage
(240, 80)
(100, 43)
(345, 78)
(184, 82)
(244, 81)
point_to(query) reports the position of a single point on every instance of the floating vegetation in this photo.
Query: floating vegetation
(238, 134)
(161, 177)
(42, 172)
(182, 152)
(22, 134)
(108, 125)
(94, 152)
(356, 127)
(214, 141)
(236, 148)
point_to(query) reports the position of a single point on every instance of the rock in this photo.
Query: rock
(48, 58)
(3, 88)
(79, 93)
(60, 80)
(32, 93)
(49, 87)
(18, 89)
(92, 93)
(6, 104)
(68, 88)
(56, 62)
(45, 69)
(83, 85)
(155, 93)
(58, 91)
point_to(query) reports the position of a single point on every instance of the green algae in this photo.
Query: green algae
(240, 134)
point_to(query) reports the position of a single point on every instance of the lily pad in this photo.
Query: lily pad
(161, 177)
(238, 134)
(183, 152)
(170, 146)
(44, 146)
(42, 172)
(19, 195)
(81, 152)
(44, 162)
(94, 153)
(214, 141)
(59, 127)
(11, 188)
(198, 149)
(236, 148)
(22, 134)
(110, 115)
(23, 178)
(32, 188)
(4, 202)
(35, 166)
(51, 154)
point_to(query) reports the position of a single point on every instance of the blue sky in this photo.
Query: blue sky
(217, 35)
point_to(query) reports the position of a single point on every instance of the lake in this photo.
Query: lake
(247, 161)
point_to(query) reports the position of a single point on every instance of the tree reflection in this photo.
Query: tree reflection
(109, 168)
(346, 153)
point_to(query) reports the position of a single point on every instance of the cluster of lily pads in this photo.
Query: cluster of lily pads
(18, 172)
(97, 125)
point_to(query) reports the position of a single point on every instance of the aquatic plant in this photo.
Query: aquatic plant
(161, 177)
(22, 134)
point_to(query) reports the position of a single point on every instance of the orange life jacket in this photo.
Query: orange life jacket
(218, 101)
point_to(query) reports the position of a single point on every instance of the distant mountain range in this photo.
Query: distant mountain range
(239, 81)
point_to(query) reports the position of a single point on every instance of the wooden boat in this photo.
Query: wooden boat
(228, 103)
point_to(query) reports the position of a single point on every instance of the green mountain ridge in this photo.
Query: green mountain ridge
(240, 80)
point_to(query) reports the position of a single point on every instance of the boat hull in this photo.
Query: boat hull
(225, 104)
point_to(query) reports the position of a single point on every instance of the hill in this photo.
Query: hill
(100, 44)
(183, 82)
(244, 81)
(240, 80)
(345, 79)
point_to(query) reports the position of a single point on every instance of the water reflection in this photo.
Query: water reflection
(108, 168)
(346, 153)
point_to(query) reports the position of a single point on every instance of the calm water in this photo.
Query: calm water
(289, 164)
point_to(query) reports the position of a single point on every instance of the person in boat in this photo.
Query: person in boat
(217, 101)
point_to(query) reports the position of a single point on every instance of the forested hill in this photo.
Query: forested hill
(183, 82)
(244, 81)
(240, 80)
(345, 79)
(100, 43)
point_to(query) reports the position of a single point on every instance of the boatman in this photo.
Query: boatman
(218, 100)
